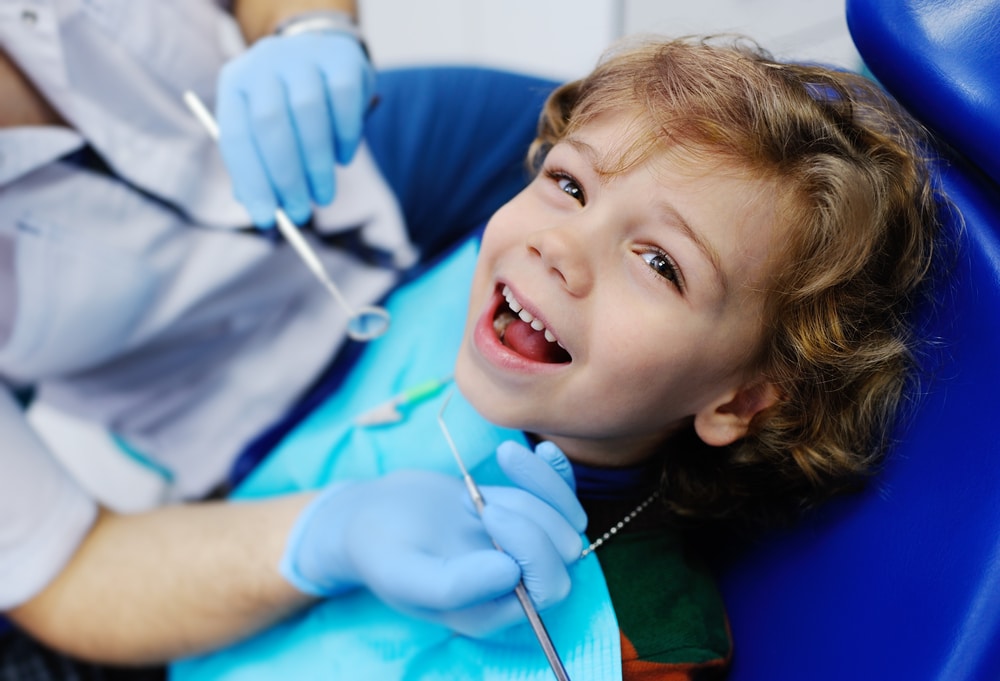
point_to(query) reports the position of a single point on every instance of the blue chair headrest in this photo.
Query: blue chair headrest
(941, 59)
(903, 581)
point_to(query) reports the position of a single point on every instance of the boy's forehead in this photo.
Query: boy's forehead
(617, 141)
(613, 141)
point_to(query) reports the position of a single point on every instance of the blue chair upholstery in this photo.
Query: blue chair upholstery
(903, 580)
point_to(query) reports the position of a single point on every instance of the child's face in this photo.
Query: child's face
(649, 279)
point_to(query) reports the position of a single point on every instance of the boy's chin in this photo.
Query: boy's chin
(481, 396)
(472, 388)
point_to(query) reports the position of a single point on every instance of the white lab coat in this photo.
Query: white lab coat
(142, 306)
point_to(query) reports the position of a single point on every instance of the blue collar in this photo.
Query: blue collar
(595, 483)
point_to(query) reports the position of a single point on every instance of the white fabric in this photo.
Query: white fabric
(107, 473)
(43, 513)
(137, 305)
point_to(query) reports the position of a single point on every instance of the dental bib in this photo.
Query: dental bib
(355, 636)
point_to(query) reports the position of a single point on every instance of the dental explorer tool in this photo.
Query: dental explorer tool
(541, 633)
(363, 324)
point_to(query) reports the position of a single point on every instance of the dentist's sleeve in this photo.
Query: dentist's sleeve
(44, 515)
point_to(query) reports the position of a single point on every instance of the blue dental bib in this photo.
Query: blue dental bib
(355, 636)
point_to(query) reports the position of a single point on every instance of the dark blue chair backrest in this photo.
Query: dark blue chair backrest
(903, 580)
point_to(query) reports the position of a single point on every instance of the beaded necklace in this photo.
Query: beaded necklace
(621, 523)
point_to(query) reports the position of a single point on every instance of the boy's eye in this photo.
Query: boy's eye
(571, 188)
(661, 263)
(568, 185)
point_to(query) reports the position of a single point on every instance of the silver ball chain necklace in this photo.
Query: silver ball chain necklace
(615, 529)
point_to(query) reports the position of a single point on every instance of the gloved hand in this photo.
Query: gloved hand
(414, 539)
(286, 109)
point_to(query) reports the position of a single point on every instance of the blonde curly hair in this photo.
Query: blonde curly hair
(839, 342)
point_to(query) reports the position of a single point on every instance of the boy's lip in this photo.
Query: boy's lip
(485, 340)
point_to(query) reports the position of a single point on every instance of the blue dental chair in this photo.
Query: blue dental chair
(903, 581)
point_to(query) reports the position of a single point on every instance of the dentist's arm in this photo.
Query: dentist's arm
(187, 579)
(293, 105)
(179, 580)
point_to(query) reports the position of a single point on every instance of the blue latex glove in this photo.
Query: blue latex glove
(414, 539)
(287, 109)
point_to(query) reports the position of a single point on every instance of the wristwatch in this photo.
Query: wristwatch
(329, 21)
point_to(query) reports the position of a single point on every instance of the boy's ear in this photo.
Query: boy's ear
(727, 419)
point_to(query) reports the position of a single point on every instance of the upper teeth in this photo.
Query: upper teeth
(526, 316)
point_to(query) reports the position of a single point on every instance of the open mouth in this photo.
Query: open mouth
(519, 331)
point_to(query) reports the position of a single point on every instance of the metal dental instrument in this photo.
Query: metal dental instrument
(541, 633)
(363, 324)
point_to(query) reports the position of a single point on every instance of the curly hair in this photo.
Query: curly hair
(839, 341)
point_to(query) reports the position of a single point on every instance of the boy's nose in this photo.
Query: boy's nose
(563, 252)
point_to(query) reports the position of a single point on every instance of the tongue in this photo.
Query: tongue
(524, 340)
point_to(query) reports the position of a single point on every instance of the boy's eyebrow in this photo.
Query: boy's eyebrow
(712, 255)
(665, 209)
